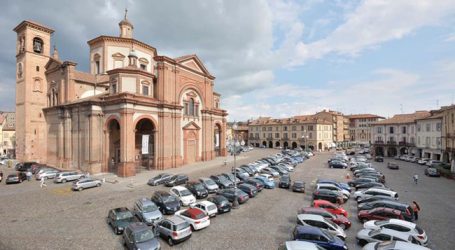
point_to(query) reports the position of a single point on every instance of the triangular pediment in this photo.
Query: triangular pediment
(193, 65)
(191, 126)
(193, 62)
(52, 63)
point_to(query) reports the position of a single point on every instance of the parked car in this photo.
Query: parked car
(379, 213)
(359, 181)
(365, 236)
(63, 177)
(430, 163)
(209, 184)
(139, 236)
(174, 230)
(178, 179)
(375, 191)
(392, 165)
(208, 207)
(265, 181)
(195, 217)
(47, 174)
(222, 204)
(319, 237)
(197, 189)
(231, 177)
(159, 179)
(232, 194)
(340, 220)
(17, 177)
(299, 245)
(399, 225)
(333, 187)
(329, 206)
(320, 222)
(298, 186)
(119, 219)
(432, 172)
(270, 171)
(423, 161)
(256, 183)
(369, 185)
(285, 182)
(337, 164)
(379, 159)
(248, 189)
(393, 245)
(222, 181)
(328, 195)
(407, 212)
(167, 203)
(25, 166)
(147, 211)
(374, 198)
(183, 195)
(342, 185)
(85, 183)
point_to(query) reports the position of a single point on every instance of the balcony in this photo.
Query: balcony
(392, 142)
(407, 144)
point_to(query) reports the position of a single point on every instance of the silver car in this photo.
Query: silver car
(147, 211)
(63, 177)
(174, 229)
(85, 183)
(47, 174)
(209, 184)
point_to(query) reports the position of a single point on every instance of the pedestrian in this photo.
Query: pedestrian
(416, 208)
(29, 175)
(1, 176)
(43, 183)
(416, 178)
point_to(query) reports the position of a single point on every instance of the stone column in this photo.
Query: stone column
(164, 136)
(127, 166)
(223, 151)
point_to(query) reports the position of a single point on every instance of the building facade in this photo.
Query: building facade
(307, 132)
(8, 134)
(448, 134)
(340, 128)
(134, 110)
(360, 128)
(396, 135)
(429, 132)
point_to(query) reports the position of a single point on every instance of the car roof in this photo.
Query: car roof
(296, 245)
(388, 209)
(315, 217)
(137, 226)
(314, 209)
(309, 230)
(193, 211)
(402, 222)
(120, 209)
(145, 201)
(160, 192)
(206, 203)
(319, 202)
(179, 188)
(394, 233)
(175, 219)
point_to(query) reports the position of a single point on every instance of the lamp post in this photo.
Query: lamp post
(305, 137)
(234, 145)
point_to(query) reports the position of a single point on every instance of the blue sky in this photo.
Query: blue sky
(273, 58)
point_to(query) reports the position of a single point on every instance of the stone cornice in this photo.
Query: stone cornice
(219, 112)
(131, 71)
(34, 25)
(175, 63)
(121, 40)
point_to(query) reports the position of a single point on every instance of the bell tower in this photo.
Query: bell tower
(32, 55)
(126, 27)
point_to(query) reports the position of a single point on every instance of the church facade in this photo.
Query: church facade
(134, 110)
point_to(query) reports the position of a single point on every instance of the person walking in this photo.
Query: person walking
(43, 183)
(29, 175)
(1, 176)
(416, 178)
(416, 208)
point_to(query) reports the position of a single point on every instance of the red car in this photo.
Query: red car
(329, 206)
(340, 220)
(380, 213)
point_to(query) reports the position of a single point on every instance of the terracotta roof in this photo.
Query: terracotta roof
(90, 78)
(359, 116)
(289, 121)
(433, 116)
(405, 118)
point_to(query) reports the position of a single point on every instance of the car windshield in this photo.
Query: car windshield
(328, 235)
(373, 232)
(380, 222)
(211, 207)
(124, 215)
(181, 226)
(150, 208)
(199, 187)
(169, 198)
(331, 223)
(143, 236)
(209, 182)
(185, 192)
(298, 184)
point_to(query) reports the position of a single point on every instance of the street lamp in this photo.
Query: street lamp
(235, 146)
(304, 138)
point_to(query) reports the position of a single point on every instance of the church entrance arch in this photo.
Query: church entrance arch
(113, 146)
(217, 138)
(191, 143)
(145, 144)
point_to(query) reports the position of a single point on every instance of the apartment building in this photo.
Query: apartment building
(360, 127)
(429, 132)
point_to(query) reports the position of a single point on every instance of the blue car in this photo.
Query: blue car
(342, 185)
(266, 182)
(319, 237)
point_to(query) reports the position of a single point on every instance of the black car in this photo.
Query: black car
(369, 185)
(25, 166)
(230, 177)
(222, 181)
(197, 189)
(222, 204)
(119, 219)
(232, 194)
(298, 186)
(159, 179)
(374, 198)
(280, 170)
(359, 181)
(379, 159)
(337, 164)
(374, 176)
(408, 213)
(285, 182)
(249, 189)
(247, 169)
(177, 179)
(328, 195)
(16, 178)
(393, 166)
(256, 183)
(167, 203)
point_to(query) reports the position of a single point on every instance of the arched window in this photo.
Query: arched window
(38, 45)
(37, 85)
(96, 59)
(191, 107)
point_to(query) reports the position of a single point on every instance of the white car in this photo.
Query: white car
(373, 192)
(47, 174)
(288, 167)
(401, 226)
(366, 236)
(184, 195)
(299, 245)
(269, 177)
(208, 207)
(330, 186)
(320, 222)
(393, 245)
(423, 161)
(195, 217)
(270, 171)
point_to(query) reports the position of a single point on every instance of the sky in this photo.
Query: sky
(271, 58)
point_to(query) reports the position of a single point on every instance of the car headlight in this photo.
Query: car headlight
(120, 228)
(345, 247)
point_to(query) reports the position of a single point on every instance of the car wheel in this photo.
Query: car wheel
(362, 242)
(98, 185)
(64, 181)
(116, 230)
(170, 241)
(80, 189)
